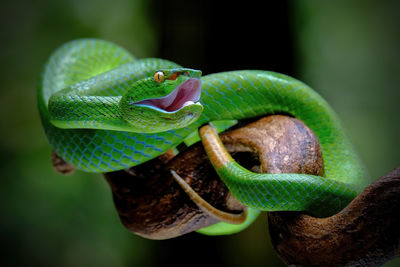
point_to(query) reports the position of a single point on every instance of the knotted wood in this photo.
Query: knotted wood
(151, 204)
(365, 233)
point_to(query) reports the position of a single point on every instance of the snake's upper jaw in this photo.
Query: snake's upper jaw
(187, 93)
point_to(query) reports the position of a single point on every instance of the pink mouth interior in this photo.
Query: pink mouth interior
(186, 93)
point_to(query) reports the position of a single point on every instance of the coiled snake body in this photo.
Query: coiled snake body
(103, 110)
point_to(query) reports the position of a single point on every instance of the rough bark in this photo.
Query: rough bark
(365, 233)
(152, 205)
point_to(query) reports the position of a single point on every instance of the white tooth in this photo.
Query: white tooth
(187, 103)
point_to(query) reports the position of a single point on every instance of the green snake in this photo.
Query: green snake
(103, 110)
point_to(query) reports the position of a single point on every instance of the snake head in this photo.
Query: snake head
(167, 100)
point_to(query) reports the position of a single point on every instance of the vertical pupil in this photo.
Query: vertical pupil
(159, 77)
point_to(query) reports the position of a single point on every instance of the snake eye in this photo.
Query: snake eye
(159, 77)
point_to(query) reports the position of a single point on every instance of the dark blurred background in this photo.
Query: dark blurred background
(346, 50)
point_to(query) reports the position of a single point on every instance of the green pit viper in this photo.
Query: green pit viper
(103, 110)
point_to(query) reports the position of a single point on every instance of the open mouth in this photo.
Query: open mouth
(186, 93)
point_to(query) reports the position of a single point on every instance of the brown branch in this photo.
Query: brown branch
(152, 205)
(365, 233)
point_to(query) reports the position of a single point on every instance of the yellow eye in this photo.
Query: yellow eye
(159, 77)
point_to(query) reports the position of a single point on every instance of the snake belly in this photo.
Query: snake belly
(234, 95)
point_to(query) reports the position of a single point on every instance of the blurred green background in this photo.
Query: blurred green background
(346, 50)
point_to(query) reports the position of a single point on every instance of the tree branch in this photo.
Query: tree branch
(366, 232)
(151, 204)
